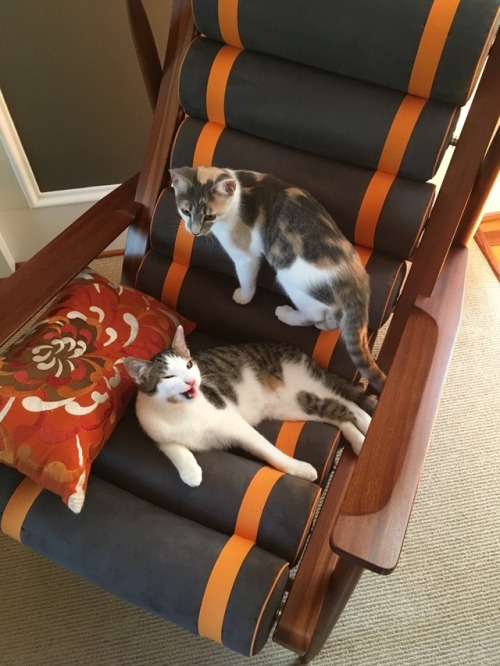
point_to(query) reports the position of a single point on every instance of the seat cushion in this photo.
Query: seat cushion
(238, 495)
(303, 107)
(445, 41)
(222, 587)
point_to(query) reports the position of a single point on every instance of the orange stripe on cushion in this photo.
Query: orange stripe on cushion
(203, 156)
(324, 347)
(217, 83)
(173, 282)
(228, 22)
(391, 157)
(220, 585)
(288, 437)
(430, 49)
(254, 502)
(371, 207)
(206, 144)
(399, 135)
(364, 254)
(18, 506)
(327, 340)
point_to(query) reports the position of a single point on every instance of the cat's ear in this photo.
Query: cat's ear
(137, 368)
(179, 343)
(225, 187)
(182, 178)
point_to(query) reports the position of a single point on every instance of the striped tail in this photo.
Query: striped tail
(355, 338)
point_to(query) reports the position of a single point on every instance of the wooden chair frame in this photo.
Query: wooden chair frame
(366, 510)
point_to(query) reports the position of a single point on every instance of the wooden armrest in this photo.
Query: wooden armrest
(374, 514)
(39, 279)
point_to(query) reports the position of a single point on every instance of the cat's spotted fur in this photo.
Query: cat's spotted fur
(213, 400)
(254, 215)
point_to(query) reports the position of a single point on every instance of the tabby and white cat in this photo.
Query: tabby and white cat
(254, 215)
(214, 398)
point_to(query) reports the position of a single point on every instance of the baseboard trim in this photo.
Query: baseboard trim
(26, 178)
(65, 197)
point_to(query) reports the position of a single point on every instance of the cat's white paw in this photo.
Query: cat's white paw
(354, 436)
(283, 313)
(305, 471)
(357, 443)
(363, 421)
(242, 298)
(192, 475)
(325, 326)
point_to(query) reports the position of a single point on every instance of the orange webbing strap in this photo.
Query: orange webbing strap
(400, 132)
(206, 144)
(203, 156)
(183, 247)
(390, 160)
(430, 49)
(288, 437)
(17, 507)
(219, 587)
(371, 207)
(228, 22)
(217, 83)
(254, 501)
(429, 53)
(325, 344)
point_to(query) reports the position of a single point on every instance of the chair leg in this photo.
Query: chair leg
(343, 581)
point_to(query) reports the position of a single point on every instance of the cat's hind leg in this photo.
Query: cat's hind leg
(252, 441)
(350, 419)
(292, 317)
(308, 312)
(310, 291)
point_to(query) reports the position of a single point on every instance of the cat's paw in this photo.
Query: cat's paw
(357, 443)
(283, 313)
(305, 471)
(242, 298)
(192, 475)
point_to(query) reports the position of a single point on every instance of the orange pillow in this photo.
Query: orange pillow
(63, 387)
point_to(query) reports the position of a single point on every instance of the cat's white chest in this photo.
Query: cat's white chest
(185, 423)
(224, 232)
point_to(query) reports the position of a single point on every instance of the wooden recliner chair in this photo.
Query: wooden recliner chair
(355, 102)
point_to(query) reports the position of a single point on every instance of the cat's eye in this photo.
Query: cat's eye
(169, 377)
(209, 218)
(186, 212)
(189, 365)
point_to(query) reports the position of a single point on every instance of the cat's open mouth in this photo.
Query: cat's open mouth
(190, 393)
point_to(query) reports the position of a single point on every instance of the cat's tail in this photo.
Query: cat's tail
(353, 392)
(355, 336)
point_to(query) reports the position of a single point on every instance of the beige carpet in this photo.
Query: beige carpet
(441, 605)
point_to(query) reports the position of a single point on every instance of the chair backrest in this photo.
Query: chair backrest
(355, 102)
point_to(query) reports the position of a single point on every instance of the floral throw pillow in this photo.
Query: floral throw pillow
(63, 387)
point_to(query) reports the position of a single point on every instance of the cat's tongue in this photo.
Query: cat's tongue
(191, 393)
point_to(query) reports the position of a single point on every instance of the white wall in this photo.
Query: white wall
(25, 230)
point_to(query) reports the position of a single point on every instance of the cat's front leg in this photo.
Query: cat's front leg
(247, 268)
(185, 462)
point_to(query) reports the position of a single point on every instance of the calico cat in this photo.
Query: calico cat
(208, 401)
(253, 215)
